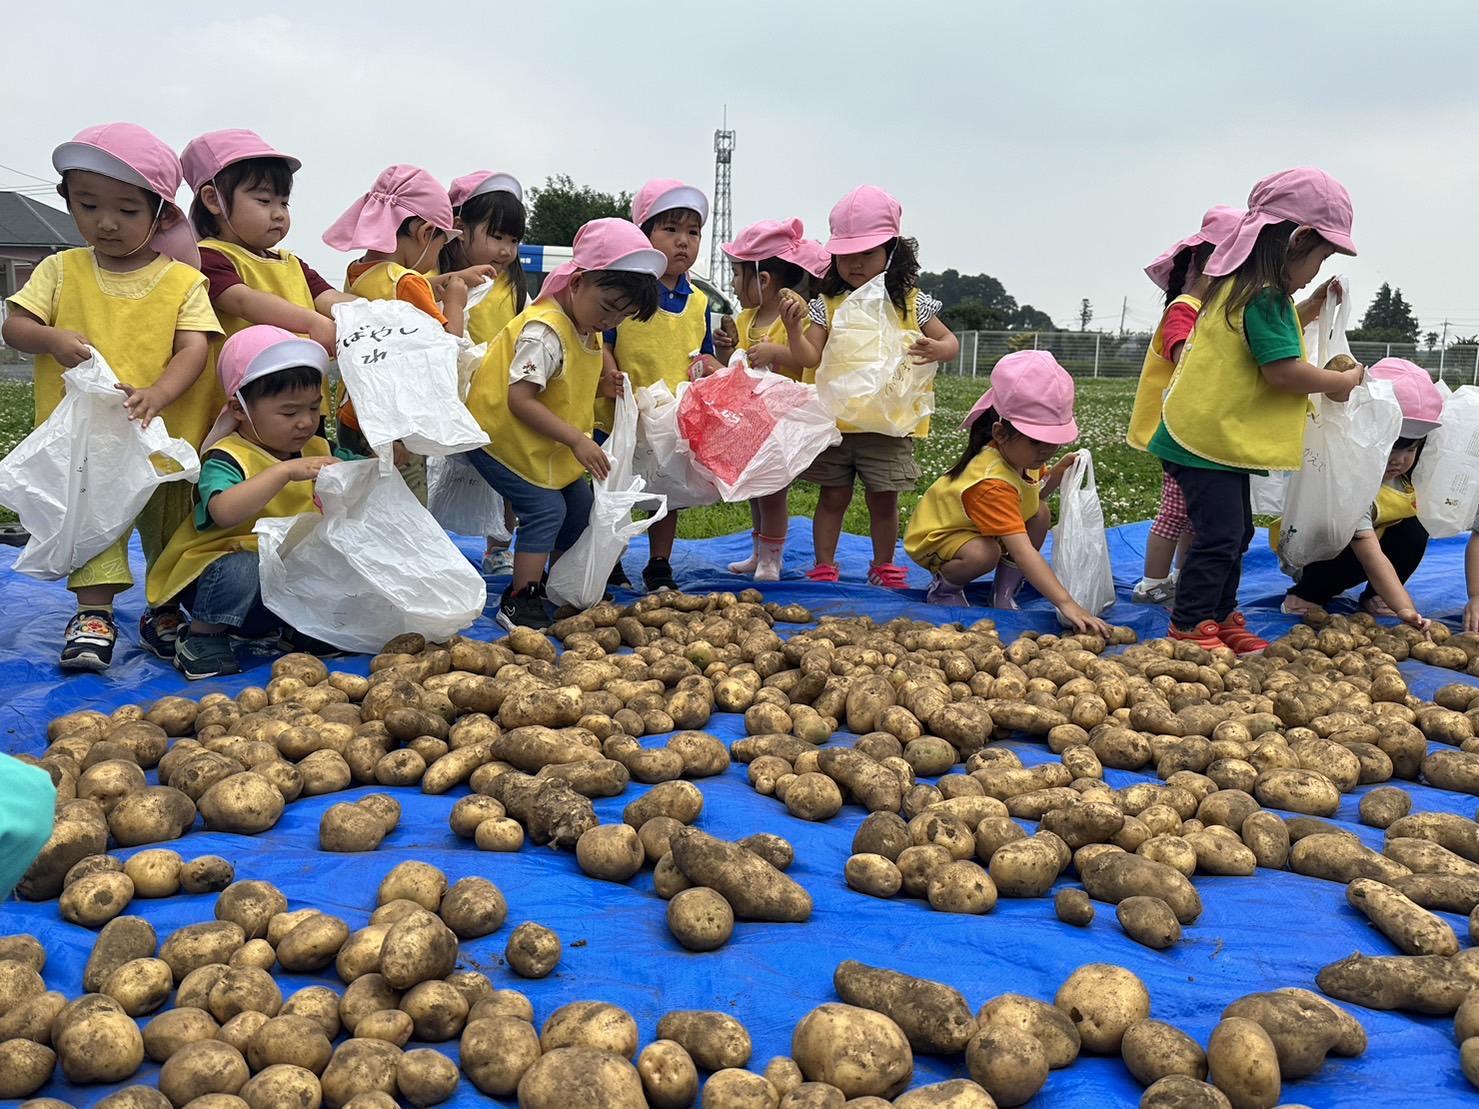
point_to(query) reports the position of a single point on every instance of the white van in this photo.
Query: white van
(540, 260)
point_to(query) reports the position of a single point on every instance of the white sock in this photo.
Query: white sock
(1149, 582)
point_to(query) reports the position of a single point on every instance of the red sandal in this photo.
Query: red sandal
(1206, 635)
(1234, 633)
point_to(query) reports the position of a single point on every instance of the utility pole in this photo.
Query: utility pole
(720, 271)
(1124, 304)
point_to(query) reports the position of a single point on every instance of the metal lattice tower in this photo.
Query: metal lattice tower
(720, 271)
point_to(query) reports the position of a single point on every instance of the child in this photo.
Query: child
(135, 296)
(648, 350)
(535, 396)
(865, 242)
(259, 461)
(1237, 401)
(240, 212)
(769, 263)
(990, 510)
(1390, 540)
(1178, 274)
(488, 208)
(401, 224)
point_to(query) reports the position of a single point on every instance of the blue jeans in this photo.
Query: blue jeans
(229, 592)
(549, 519)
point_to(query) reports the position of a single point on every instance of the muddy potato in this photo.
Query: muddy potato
(1243, 1064)
(437, 1009)
(873, 875)
(1114, 875)
(774, 849)
(394, 1026)
(359, 1067)
(669, 1077)
(1025, 867)
(239, 1030)
(32, 1018)
(426, 1077)
(312, 944)
(857, 1050)
(1148, 921)
(1177, 1091)
(417, 948)
(667, 880)
(365, 995)
(532, 950)
(581, 1075)
(683, 801)
(1303, 1026)
(1412, 928)
(499, 834)
(413, 881)
(883, 833)
(206, 874)
(473, 907)
(1102, 1001)
(198, 1069)
(319, 1004)
(1297, 790)
(1073, 906)
(472, 810)
(250, 904)
(245, 803)
(96, 899)
(1008, 1063)
(26, 949)
(712, 1040)
(291, 1040)
(25, 1066)
(18, 982)
(700, 919)
(739, 1089)
(349, 828)
(961, 887)
(1046, 1023)
(140, 985)
(1153, 1049)
(282, 1086)
(592, 1024)
(813, 796)
(170, 1031)
(611, 852)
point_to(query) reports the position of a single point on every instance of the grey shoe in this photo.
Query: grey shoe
(1162, 593)
(942, 592)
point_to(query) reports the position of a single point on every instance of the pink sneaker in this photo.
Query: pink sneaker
(888, 575)
(824, 572)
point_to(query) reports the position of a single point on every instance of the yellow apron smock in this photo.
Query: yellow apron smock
(940, 525)
(774, 332)
(1155, 378)
(909, 321)
(282, 275)
(570, 395)
(495, 311)
(659, 349)
(1393, 505)
(191, 550)
(1220, 407)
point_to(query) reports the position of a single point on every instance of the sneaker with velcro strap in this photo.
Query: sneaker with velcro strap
(87, 643)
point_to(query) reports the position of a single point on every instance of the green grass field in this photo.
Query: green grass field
(1129, 481)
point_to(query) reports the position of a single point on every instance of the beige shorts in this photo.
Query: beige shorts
(884, 463)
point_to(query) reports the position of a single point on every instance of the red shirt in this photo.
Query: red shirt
(1176, 326)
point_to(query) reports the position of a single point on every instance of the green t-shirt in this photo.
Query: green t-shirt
(219, 471)
(1272, 330)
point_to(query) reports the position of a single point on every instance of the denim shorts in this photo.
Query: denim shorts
(549, 519)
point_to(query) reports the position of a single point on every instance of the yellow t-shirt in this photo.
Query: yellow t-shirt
(773, 332)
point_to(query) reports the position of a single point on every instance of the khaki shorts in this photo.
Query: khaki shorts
(884, 463)
(169, 507)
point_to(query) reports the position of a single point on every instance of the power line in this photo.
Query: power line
(23, 173)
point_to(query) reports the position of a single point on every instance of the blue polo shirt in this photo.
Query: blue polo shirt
(674, 300)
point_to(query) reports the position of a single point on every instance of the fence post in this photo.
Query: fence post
(1097, 337)
(1034, 340)
(1476, 365)
(975, 352)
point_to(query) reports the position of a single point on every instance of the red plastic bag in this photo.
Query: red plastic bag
(726, 418)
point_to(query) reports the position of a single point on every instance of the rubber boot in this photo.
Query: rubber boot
(768, 565)
(748, 565)
(1005, 585)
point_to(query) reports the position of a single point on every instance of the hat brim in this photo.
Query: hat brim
(1419, 429)
(1057, 434)
(650, 261)
(858, 244)
(1342, 243)
(682, 196)
(284, 355)
(94, 159)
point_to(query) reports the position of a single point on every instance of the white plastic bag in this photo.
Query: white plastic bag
(579, 578)
(662, 457)
(1080, 547)
(372, 566)
(462, 501)
(401, 370)
(1330, 328)
(80, 479)
(754, 432)
(866, 376)
(1447, 474)
(1346, 447)
(1267, 492)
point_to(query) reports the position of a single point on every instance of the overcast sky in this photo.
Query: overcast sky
(1057, 146)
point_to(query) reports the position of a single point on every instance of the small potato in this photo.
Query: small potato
(437, 1009)
(611, 852)
(312, 944)
(499, 834)
(414, 881)
(1102, 1001)
(198, 1069)
(207, 874)
(713, 1040)
(426, 1077)
(961, 887)
(739, 1089)
(669, 1077)
(96, 899)
(700, 919)
(1177, 1091)
(873, 874)
(25, 1066)
(140, 985)
(1153, 1049)
(496, 1051)
(1148, 921)
(1008, 1063)
(359, 1067)
(1073, 906)
(155, 873)
(532, 951)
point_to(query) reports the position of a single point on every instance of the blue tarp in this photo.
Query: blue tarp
(1272, 930)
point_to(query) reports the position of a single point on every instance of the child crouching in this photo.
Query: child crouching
(260, 460)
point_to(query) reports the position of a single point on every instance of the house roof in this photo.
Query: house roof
(27, 222)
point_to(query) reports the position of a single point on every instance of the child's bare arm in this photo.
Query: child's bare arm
(30, 335)
(1383, 578)
(939, 343)
(1036, 570)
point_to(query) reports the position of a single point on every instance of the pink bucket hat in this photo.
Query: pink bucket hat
(865, 218)
(1304, 196)
(400, 192)
(1219, 222)
(127, 152)
(209, 154)
(255, 352)
(1419, 398)
(1035, 394)
(606, 244)
(813, 258)
(481, 181)
(663, 194)
(776, 238)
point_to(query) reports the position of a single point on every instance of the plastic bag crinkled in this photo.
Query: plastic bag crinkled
(1346, 447)
(80, 479)
(866, 377)
(580, 577)
(373, 566)
(662, 457)
(462, 501)
(1447, 475)
(401, 369)
(754, 432)
(1080, 547)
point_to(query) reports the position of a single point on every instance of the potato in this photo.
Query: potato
(417, 948)
(857, 1050)
(27, 949)
(1266, 835)
(349, 828)
(32, 1018)
(581, 1076)
(683, 801)
(1008, 1063)
(437, 1010)
(172, 1030)
(312, 944)
(319, 1004)
(886, 834)
(71, 841)
(774, 849)
(1148, 921)
(198, 945)
(206, 874)
(1045, 1023)
(295, 1041)
(1417, 983)
(1025, 868)
(532, 950)
(1413, 929)
(282, 1086)
(712, 1040)
(813, 796)
(868, 782)
(1303, 1027)
(1153, 1049)
(472, 810)
(359, 1067)
(669, 1077)
(873, 875)
(394, 1026)
(245, 803)
(1102, 1001)
(474, 907)
(1116, 875)
(413, 881)
(25, 1066)
(1243, 1064)
(426, 1077)
(140, 985)
(198, 1069)
(250, 904)
(700, 919)
(611, 852)
(934, 1017)
(1073, 906)
(496, 1051)
(239, 1030)
(961, 887)
(499, 834)
(1297, 790)
(754, 889)
(1177, 1091)
(1340, 857)
(739, 1089)
(96, 899)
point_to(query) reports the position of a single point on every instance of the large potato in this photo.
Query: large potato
(594, 1024)
(474, 907)
(1153, 1049)
(417, 948)
(571, 1076)
(1008, 1063)
(712, 1040)
(934, 1016)
(859, 1051)
(245, 803)
(1103, 1001)
(496, 1051)
(1049, 1025)
(1243, 1064)
(201, 1068)
(612, 852)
